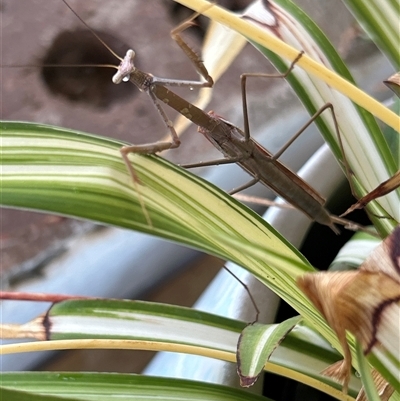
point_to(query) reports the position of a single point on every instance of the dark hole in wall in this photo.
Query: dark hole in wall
(90, 85)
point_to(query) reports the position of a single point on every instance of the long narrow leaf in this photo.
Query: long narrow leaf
(17, 395)
(112, 386)
(380, 19)
(301, 356)
(365, 372)
(81, 175)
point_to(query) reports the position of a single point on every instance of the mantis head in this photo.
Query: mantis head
(125, 68)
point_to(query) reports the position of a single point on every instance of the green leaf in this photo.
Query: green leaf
(256, 344)
(76, 174)
(380, 19)
(141, 320)
(366, 378)
(113, 386)
(17, 395)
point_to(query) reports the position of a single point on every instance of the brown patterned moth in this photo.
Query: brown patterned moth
(365, 302)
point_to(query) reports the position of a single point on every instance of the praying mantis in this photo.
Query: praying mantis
(237, 146)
